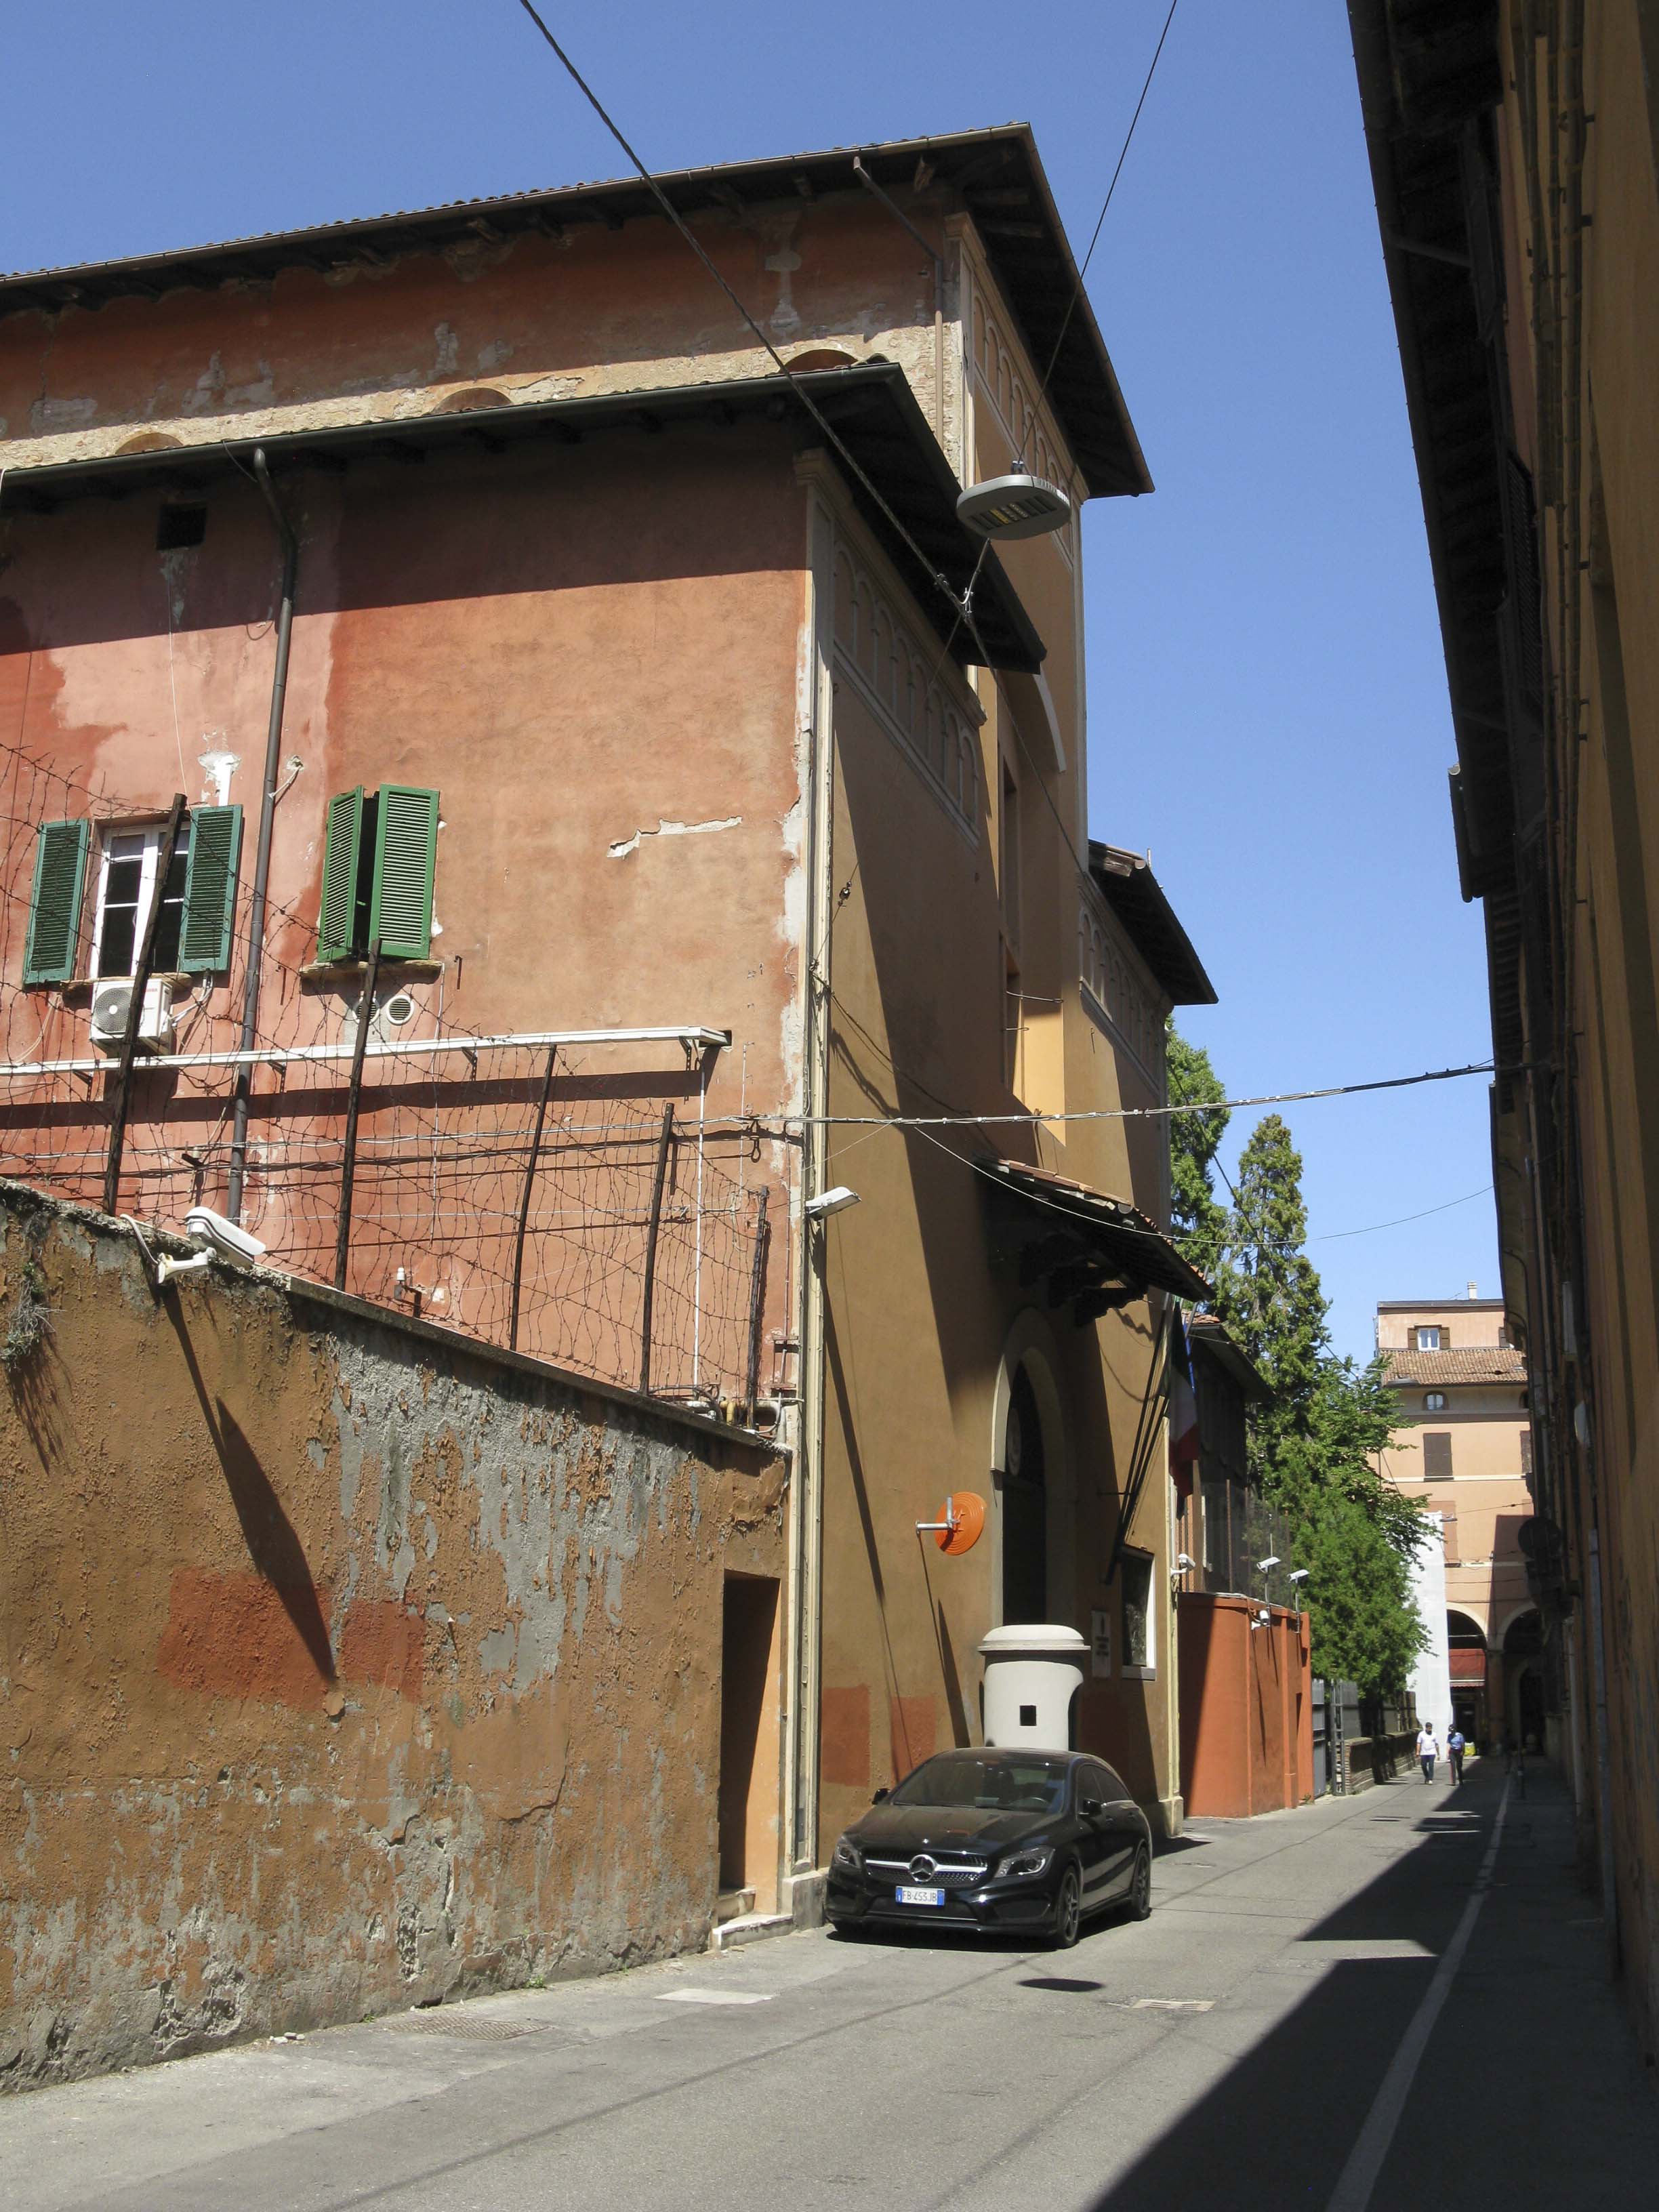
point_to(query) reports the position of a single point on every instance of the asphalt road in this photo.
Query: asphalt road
(1224, 2054)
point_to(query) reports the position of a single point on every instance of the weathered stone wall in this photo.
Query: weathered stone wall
(345, 1664)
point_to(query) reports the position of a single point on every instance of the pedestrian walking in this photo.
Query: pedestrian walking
(1428, 1750)
(1454, 1750)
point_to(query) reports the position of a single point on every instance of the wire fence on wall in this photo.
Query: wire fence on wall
(572, 1202)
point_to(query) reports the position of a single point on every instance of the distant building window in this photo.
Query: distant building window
(1428, 1340)
(1434, 1402)
(1139, 1656)
(1437, 1456)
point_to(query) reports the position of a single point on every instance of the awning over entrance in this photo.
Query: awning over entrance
(1086, 1247)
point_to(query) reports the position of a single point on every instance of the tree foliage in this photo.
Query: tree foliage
(1198, 1222)
(1313, 1447)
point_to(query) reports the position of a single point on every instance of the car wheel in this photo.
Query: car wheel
(1068, 1911)
(1139, 1902)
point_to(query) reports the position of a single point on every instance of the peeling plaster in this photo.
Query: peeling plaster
(626, 845)
(508, 1768)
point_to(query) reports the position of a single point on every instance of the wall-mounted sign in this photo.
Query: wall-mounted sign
(1100, 1661)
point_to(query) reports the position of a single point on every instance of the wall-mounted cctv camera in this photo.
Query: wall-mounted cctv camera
(1183, 1563)
(213, 1233)
(830, 1201)
(1298, 1574)
(1262, 1566)
(209, 1232)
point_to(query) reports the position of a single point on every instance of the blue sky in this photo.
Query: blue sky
(1267, 695)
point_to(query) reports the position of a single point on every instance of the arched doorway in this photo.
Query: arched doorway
(1465, 1651)
(1523, 1679)
(1024, 1505)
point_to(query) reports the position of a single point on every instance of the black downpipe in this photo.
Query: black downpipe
(256, 919)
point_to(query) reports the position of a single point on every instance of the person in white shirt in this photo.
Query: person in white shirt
(1428, 1750)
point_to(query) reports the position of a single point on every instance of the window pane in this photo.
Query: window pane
(121, 880)
(116, 944)
(166, 955)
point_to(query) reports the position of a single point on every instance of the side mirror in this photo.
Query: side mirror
(879, 1794)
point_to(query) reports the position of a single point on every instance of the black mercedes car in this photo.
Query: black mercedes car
(1021, 1841)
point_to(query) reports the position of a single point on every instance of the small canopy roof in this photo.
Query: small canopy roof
(1068, 1233)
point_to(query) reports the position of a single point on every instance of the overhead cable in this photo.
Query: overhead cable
(783, 368)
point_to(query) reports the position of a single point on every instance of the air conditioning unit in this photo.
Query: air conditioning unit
(110, 1003)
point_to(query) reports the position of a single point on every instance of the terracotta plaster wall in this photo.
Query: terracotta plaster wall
(592, 653)
(529, 318)
(345, 1666)
(923, 1316)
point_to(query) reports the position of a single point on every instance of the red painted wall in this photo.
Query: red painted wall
(1246, 1707)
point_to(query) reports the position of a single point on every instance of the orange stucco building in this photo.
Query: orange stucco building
(1463, 1453)
(494, 601)
(1515, 153)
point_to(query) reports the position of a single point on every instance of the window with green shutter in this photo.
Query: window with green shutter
(216, 850)
(379, 852)
(406, 855)
(60, 874)
(343, 837)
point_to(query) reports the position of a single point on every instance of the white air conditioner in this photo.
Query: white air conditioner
(110, 1003)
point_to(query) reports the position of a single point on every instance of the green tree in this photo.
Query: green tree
(1313, 1447)
(1198, 1222)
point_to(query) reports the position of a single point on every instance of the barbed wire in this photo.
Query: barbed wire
(442, 1226)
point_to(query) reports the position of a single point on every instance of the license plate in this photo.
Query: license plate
(920, 1896)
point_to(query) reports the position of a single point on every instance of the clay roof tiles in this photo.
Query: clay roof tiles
(1481, 1364)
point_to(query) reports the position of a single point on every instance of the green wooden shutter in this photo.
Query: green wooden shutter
(406, 855)
(342, 843)
(60, 874)
(216, 848)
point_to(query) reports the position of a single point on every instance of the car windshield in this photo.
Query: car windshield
(988, 1785)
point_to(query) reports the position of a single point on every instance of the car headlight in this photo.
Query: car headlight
(1024, 1863)
(845, 1859)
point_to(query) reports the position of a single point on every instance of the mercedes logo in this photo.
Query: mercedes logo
(923, 1867)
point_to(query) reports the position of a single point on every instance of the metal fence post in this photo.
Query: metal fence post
(529, 1185)
(354, 1102)
(662, 1144)
(141, 966)
(756, 1298)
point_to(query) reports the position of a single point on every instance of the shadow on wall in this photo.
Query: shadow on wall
(699, 503)
(272, 1543)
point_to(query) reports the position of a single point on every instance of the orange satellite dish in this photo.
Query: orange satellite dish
(964, 1520)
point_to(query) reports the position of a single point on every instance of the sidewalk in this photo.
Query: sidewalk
(1532, 2090)
(1529, 2094)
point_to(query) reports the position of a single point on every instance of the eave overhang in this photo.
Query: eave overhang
(870, 409)
(1082, 1246)
(994, 175)
(1210, 1340)
(1126, 882)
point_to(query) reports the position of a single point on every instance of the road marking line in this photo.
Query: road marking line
(715, 1997)
(1357, 2178)
(1168, 2004)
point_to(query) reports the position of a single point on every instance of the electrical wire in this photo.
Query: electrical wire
(1331, 1236)
(783, 368)
(1094, 239)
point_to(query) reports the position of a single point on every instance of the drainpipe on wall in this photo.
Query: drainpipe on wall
(256, 923)
(801, 1780)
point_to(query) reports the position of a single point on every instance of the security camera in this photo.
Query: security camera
(1298, 1574)
(213, 1233)
(1262, 1566)
(1184, 1566)
(830, 1201)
